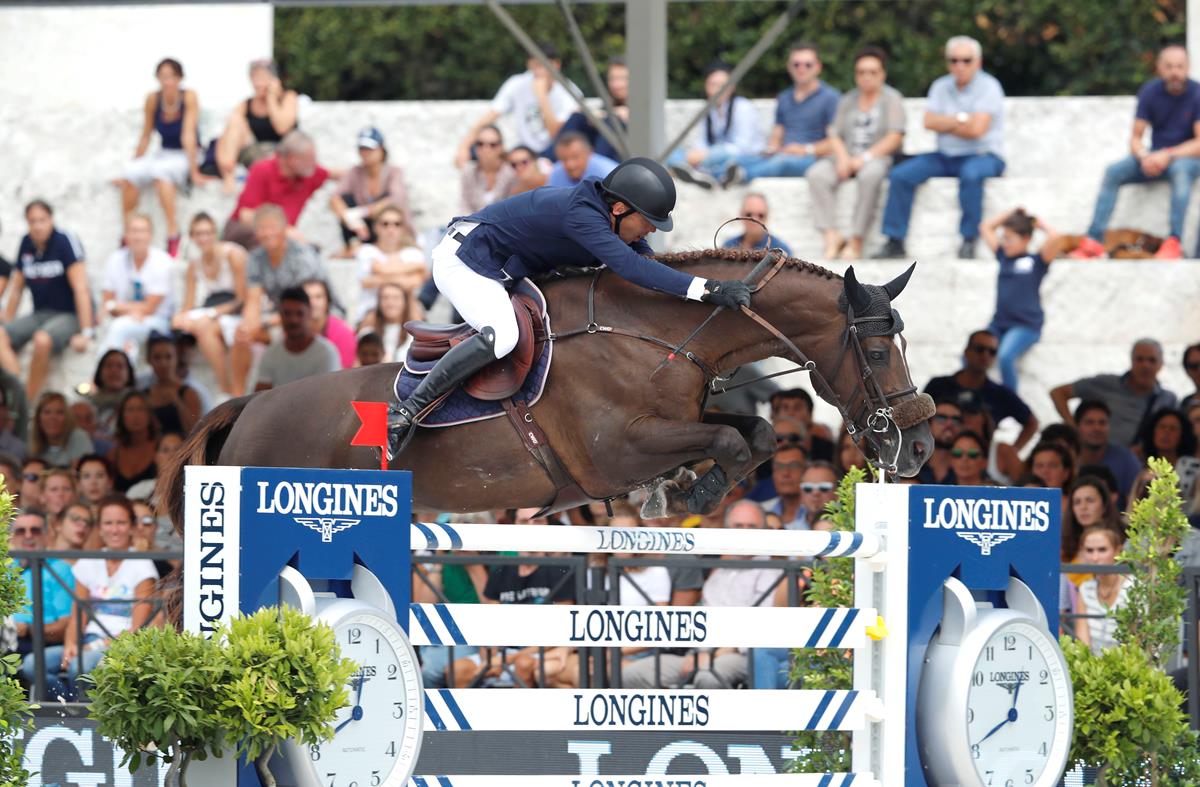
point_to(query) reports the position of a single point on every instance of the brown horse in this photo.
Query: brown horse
(616, 423)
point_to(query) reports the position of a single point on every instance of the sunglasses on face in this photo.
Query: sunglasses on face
(983, 348)
(822, 486)
(790, 439)
(520, 162)
(27, 531)
(483, 143)
(970, 453)
(957, 61)
(80, 518)
(31, 476)
(759, 216)
(955, 418)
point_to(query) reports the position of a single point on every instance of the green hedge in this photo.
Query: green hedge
(1035, 47)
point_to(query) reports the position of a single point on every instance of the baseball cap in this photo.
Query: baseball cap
(370, 137)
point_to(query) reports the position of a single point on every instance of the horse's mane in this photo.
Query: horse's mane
(681, 259)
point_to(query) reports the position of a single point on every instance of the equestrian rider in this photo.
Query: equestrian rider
(593, 223)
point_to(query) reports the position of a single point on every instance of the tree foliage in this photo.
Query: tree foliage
(1035, 47)
(15, 710)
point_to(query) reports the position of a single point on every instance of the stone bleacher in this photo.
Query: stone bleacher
(1057, 149)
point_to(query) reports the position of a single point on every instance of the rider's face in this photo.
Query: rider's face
(634, 227)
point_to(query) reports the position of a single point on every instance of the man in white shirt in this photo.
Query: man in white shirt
(537, 103)
(301, 352)
(136, 293)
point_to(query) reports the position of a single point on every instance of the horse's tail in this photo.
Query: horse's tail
(202, 447)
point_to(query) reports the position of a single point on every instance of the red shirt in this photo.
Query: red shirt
(266, 184)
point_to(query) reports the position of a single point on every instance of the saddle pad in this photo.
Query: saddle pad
(462, 408)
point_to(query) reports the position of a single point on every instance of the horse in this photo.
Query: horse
(624, 403)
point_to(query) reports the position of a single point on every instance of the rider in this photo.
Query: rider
(592, 223)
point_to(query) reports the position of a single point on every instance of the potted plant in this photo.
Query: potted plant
(153, 697)
(286, 679)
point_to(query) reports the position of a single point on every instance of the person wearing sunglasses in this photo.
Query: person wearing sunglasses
(966, 110)
(30, 532)
(818, 486)
(754, 235)
(488, 177)
(969, 459)
(366, 189)
(529, 170)
(946, 423)
(803, 113)
(1000, 401)
(787, 468)
(1191, 367)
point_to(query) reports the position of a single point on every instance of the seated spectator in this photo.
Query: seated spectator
(300, 352)
(537, 103)
(286, 179)
(577, 161)
(327, 324)
(175, 405)
(95, 479)
(1191, 367)
(257, 126)
(137, 431)
(395, 308)
(803, 114)
(638, 586)
(30, 492)
(10, 444)
(754, 227)
(1131, 397)
(1090, 504)
(969, 460)
(866, 132)
(55, 439)
(30, 531)
(488, 177)
(57, 492)
(1170, 106)
(798, 403)
(18, 403)
(366, 189)
(74, 528)
(173, 112)
(50, 262)
(966, 109)
(1004, 463)
(395, 258)
(616, 80)
(1018, 317)
(145, 534)
(10, 474)
(369, 350)
(1193, 414)
(1053, 463)
(213, 297)
(530, 173)
(730, 129)
(946, 423)
(1168, 435)
(1101, 596)
(818, 487)
(113, 378)
(137, 293)
(848, 455)
(165, 448)
(789, 432)
(112, 596)
(787, 468)
(275, 265)
(1000, 401)
(83, 412)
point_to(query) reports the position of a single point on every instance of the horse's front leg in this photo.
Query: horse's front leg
(678, 443)
(757, 432)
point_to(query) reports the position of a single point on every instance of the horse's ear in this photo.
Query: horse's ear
(896, 286)
(856, 294)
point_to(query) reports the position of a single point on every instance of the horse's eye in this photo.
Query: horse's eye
(877, 356)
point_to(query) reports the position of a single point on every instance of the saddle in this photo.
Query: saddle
(504, 377)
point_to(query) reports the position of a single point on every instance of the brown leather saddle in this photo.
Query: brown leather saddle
(501, 378)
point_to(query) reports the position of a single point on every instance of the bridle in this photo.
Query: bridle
(868, 403)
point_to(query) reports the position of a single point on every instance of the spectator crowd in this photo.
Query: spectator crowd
(258, 308)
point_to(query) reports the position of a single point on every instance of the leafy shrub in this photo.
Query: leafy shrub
(15, 710)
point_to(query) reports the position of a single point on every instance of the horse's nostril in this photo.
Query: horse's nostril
(918, 448)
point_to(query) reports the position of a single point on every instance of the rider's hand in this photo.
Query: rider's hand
(731, 294)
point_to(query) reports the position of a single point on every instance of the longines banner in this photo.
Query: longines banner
(69, 753)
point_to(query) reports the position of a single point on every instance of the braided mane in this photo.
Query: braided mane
(682, 259)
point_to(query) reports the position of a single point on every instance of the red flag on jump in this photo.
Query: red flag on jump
(373, 431)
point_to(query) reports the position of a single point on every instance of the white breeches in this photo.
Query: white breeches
(482, 302)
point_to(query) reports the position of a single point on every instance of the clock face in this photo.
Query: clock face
(377, 736)
(1018, 709)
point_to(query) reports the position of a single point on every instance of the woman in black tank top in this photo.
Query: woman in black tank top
(174, 404)
(257, 125)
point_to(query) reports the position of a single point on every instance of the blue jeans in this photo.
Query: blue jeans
(715, 159)
(434, 661)
(971, 171)
(1181, 172)
(781, 165)
(1014, 342)
(55, 688)
(91, 658)
(771, 666)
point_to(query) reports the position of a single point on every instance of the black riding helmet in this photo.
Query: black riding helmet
(644, 185)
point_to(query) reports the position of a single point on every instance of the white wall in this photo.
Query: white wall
(94, 58)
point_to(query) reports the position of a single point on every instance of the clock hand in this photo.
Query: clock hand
(1016, 691)
(356, 711)
(994, 730)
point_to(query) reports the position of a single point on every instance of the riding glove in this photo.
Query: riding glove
(730, 294)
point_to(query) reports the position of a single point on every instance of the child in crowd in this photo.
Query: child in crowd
(1018, 318)
(1100, 596)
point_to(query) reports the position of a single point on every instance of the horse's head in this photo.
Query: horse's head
(882, 408)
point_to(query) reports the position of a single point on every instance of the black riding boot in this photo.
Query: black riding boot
(459, 363)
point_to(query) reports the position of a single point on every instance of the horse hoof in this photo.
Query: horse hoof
(668, 497)
(706, 494)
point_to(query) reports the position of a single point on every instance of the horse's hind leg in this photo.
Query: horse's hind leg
(677, 443)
